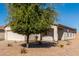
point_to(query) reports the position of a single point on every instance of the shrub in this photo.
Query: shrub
(61, 46)
(9, 45)
(23, 51)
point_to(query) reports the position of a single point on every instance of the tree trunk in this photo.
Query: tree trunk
(40, 39)
(36, 37)
(27, 41)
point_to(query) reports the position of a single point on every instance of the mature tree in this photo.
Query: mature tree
(30, 18)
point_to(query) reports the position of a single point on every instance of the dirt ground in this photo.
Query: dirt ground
(10, 48)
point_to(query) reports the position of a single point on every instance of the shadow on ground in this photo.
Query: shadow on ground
(39, 45)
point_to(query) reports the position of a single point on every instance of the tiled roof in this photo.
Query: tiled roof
(60, 25)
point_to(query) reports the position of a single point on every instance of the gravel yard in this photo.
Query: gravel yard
(10, 48)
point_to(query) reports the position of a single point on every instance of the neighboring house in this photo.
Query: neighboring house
(55, 33)
(2, 33)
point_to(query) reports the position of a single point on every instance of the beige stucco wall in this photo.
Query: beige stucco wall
(64, 35)
(55, 28)
(2, 36)
(54, 34)
(9, 35)
(49, 37)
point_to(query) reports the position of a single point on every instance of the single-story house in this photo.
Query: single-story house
(55, 33)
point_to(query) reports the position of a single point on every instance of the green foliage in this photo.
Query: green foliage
(30, 18)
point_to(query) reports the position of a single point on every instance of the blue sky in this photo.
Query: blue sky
(68, 14)
(3, 14)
